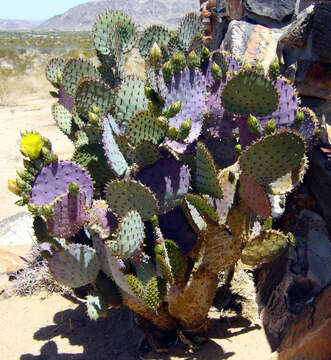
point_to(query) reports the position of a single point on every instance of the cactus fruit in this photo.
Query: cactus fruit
(172, 180)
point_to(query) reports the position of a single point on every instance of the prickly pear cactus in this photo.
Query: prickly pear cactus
(171, 178)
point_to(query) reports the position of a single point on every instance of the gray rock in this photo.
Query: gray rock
(251, 42)
(322, 30)
(319, 181)
(279, 10)
(17, 230)
(287, 285)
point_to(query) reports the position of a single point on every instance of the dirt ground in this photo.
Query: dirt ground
(51, 327)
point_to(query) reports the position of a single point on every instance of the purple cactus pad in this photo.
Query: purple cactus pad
(65, 99)
(169, 180)
(53, 180)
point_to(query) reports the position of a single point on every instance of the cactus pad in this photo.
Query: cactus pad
(169, 180)
(190, 26)
(143, 127)
(202, 206)
(54, 70)
(123, 196)
(254, 195)
(130, 99)
(104, 26)
(74, 70)
(53, 180)
(114, 156)
(272, 156)
(189, 87)
(249, 92)
(76, 265)
(91, 92)
(96, 306)
(146, 154)
(154, 33)
(307, 128)
(63, 118)
(129, 236)
(206, 174)
(264, 248)
(70, 215)
(155, 292)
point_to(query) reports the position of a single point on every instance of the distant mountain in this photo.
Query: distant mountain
(143, 12)
(15, 25)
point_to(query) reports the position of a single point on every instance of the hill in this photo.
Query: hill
(15, 25)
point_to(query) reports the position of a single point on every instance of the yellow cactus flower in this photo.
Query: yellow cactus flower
(12, 186)
(31, 145)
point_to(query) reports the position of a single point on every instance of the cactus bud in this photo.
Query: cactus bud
(216, 72)
(246, 66)
(73, 188)
(20, 183)
(153, 107)
(291, 239)
(95, 109)
(193, 60)
(47, 156)
(154, 221)
(25, 175)
(258, 66)
(47, 142)
(299, 118)
(47, 211)
(151, 94)
(274, 71)
(172, 132)
(162, 122)
(270, 127)
(59, 78)
(184, 129)
(25, 198)
(237, 149)
(93, 118)
(167, 71)
(34, 209)
(173, 109)
(155, 55)
(178, 62)
(55, 158)
(205, 55)
(13, 187)
(253, 124)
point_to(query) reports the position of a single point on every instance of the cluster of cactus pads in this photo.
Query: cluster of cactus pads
(174, 179)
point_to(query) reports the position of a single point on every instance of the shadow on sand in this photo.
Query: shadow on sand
(118, 338)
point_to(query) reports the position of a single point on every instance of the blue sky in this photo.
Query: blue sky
(35, 9)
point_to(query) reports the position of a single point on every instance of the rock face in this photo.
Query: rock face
(143, 12)
(322, 30)
(279, 10)
(286, 286)
(309, 336)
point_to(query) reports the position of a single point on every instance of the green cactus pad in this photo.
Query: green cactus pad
(164, 269)
(288, 182)
(125, 147)
(196, 44)
(193, 217)
(130, 99)
(273, 156)
(177, 259)
(104, 26)
(146, 154)
(126, 195)
(202, 206)
(206, 174)
(129, 235)
(264, 248)
(74, 70)
(155, 292)
(136, 286)
(190, 26)
(248, 93)
(63, 118)
(119, 61)
(96, 306)
(92, 158)
(143, 127)
(54, 70)
(254, 195)
(76, 265)
(93, 92)
(154, 33)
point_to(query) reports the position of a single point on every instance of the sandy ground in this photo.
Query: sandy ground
(51, 327)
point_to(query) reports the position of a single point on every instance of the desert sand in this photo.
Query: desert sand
(50, 327)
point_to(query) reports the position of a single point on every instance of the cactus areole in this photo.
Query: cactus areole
(171, 177)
